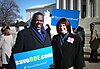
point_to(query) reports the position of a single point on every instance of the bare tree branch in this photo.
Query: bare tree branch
(9, 12)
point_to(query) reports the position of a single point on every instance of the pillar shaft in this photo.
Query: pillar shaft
(57, 4)
(71, 4)
(79, 6)
(88, 9)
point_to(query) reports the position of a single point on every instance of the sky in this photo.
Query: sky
(24, 4)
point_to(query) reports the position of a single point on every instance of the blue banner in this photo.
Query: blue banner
(35, 59)
(71, 15)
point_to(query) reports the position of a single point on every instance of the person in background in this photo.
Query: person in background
(48, 30)
(3, 26)
(17, 28)
(81, 33)
(25, 26)
(31, 38)
(6, 44)
(67, 49)
(1, 32)
(94, 43)
(74, 30)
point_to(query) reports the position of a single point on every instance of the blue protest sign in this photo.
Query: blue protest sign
(71, 15)
(35, 59)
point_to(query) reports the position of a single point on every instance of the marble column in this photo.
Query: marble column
(88, 9)
(96, 8)
(79, 6)
(57, 4)
(64, 4)
(71, 4)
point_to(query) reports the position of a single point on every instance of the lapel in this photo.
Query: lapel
(59, 43)
(36, 37)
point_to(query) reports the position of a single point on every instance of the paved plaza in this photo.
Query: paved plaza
(92, 65)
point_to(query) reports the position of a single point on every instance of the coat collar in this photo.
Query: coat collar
(35, 36)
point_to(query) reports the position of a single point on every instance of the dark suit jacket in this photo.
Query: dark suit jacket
(69, 54)
(27, 40)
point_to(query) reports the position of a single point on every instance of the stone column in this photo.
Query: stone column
(79, 6)
(57, 4)
(88, 9)
(64, 4)
(71, 4)
(96, 8)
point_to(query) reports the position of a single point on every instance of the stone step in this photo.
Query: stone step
(85, 23)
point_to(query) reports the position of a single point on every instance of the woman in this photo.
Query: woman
(6, 44)
(94, 43)
(66, 47)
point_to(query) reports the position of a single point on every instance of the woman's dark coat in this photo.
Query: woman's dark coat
(27, 40)
(67, 55)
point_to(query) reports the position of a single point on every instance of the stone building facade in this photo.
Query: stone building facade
(89, 12)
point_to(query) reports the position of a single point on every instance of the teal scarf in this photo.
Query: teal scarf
(63, 38)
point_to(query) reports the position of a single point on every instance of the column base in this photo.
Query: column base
(88, 17)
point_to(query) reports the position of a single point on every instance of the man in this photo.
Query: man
(32, 38)
(81, 33)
